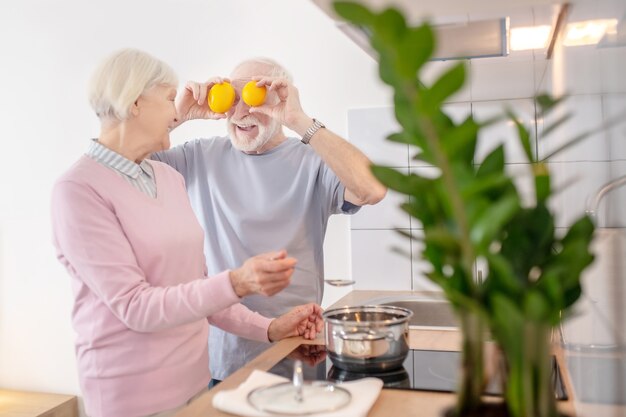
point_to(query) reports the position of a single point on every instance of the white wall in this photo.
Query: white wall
(48, 51)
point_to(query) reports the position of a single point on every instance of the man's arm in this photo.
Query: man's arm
(350, 165)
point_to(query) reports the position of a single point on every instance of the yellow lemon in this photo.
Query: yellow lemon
(252, 95)
(221, 97)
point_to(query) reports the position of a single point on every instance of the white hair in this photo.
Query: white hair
(276, 70)
(124, 76)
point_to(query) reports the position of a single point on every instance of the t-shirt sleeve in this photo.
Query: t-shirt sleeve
(179, 157)
(92, 245)
(334, 192)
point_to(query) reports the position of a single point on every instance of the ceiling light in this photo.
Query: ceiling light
(531, 37)
(588, 32)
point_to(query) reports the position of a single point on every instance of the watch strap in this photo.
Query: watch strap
(317, 125)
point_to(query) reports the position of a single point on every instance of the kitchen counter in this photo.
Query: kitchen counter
(390, 402)
(36, 404)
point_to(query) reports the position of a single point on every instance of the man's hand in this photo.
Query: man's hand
(283, 106)
(264, 274)
(304, 320)
(192, 102)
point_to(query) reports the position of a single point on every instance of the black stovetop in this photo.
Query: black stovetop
(423, 370)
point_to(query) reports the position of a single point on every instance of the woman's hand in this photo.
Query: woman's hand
(304, 320)
(192, 104)
(264, 274)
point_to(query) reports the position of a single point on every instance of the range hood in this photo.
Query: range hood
(464, 29)
(479, 39)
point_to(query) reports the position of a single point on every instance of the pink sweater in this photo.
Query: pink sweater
(140, 303)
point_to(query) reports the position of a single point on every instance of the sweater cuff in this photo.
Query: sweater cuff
(220, 284)
(260, 327)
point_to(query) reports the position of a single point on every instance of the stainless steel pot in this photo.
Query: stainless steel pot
(367, 338)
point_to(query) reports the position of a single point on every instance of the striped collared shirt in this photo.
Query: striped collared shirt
(140, 176)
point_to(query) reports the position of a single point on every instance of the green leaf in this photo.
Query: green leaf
(542, 182)
(404, 137)
(493, 163)
(493, 219)
(581, 229)
(415, 49)
(405, 184)
(449, 83)
(405, 115)
(354, 13)
(386, 68)
(536, 307)
(442, 239)
(523, 135)
(390, 27)
(508, 321)
(529, 239)
(502, 276)
(551, 128)
(547, 103)
(485, 183)
(460, 141)
(569, 144)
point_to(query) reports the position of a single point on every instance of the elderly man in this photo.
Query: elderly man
(257, 190)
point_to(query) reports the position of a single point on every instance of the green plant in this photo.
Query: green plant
(471, 212)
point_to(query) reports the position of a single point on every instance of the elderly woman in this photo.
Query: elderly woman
(124, 229)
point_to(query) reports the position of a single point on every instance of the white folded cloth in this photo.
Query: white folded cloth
(364, 393)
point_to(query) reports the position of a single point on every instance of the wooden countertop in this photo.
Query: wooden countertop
(35, 404)
(391, 402)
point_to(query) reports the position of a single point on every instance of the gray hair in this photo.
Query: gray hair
(124, 76)
(276, 70)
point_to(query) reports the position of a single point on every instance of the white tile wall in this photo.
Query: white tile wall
(368, 128)
(587, 117)
(375, 265)
(614, 108)
(434, 69)
(612, 64)
(575, 183)
(504, 131)
(583, 70)
(543, 73)
(420, 282)
(503, 78)
(615, 204)
(384, 215)
(524, 182)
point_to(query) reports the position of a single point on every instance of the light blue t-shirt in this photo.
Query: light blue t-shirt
(254, 203)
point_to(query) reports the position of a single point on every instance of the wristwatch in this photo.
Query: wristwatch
(317, 125)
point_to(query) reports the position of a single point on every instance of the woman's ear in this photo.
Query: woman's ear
(134, 109)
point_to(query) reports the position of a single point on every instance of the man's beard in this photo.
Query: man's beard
(264, 135)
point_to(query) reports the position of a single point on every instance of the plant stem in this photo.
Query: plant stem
(472, 369)
(529, 391)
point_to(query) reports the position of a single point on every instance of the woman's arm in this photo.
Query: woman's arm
(92, 245)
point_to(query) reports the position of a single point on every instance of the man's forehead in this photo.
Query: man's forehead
(250, 69)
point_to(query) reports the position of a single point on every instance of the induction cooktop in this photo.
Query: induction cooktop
(423, 370)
